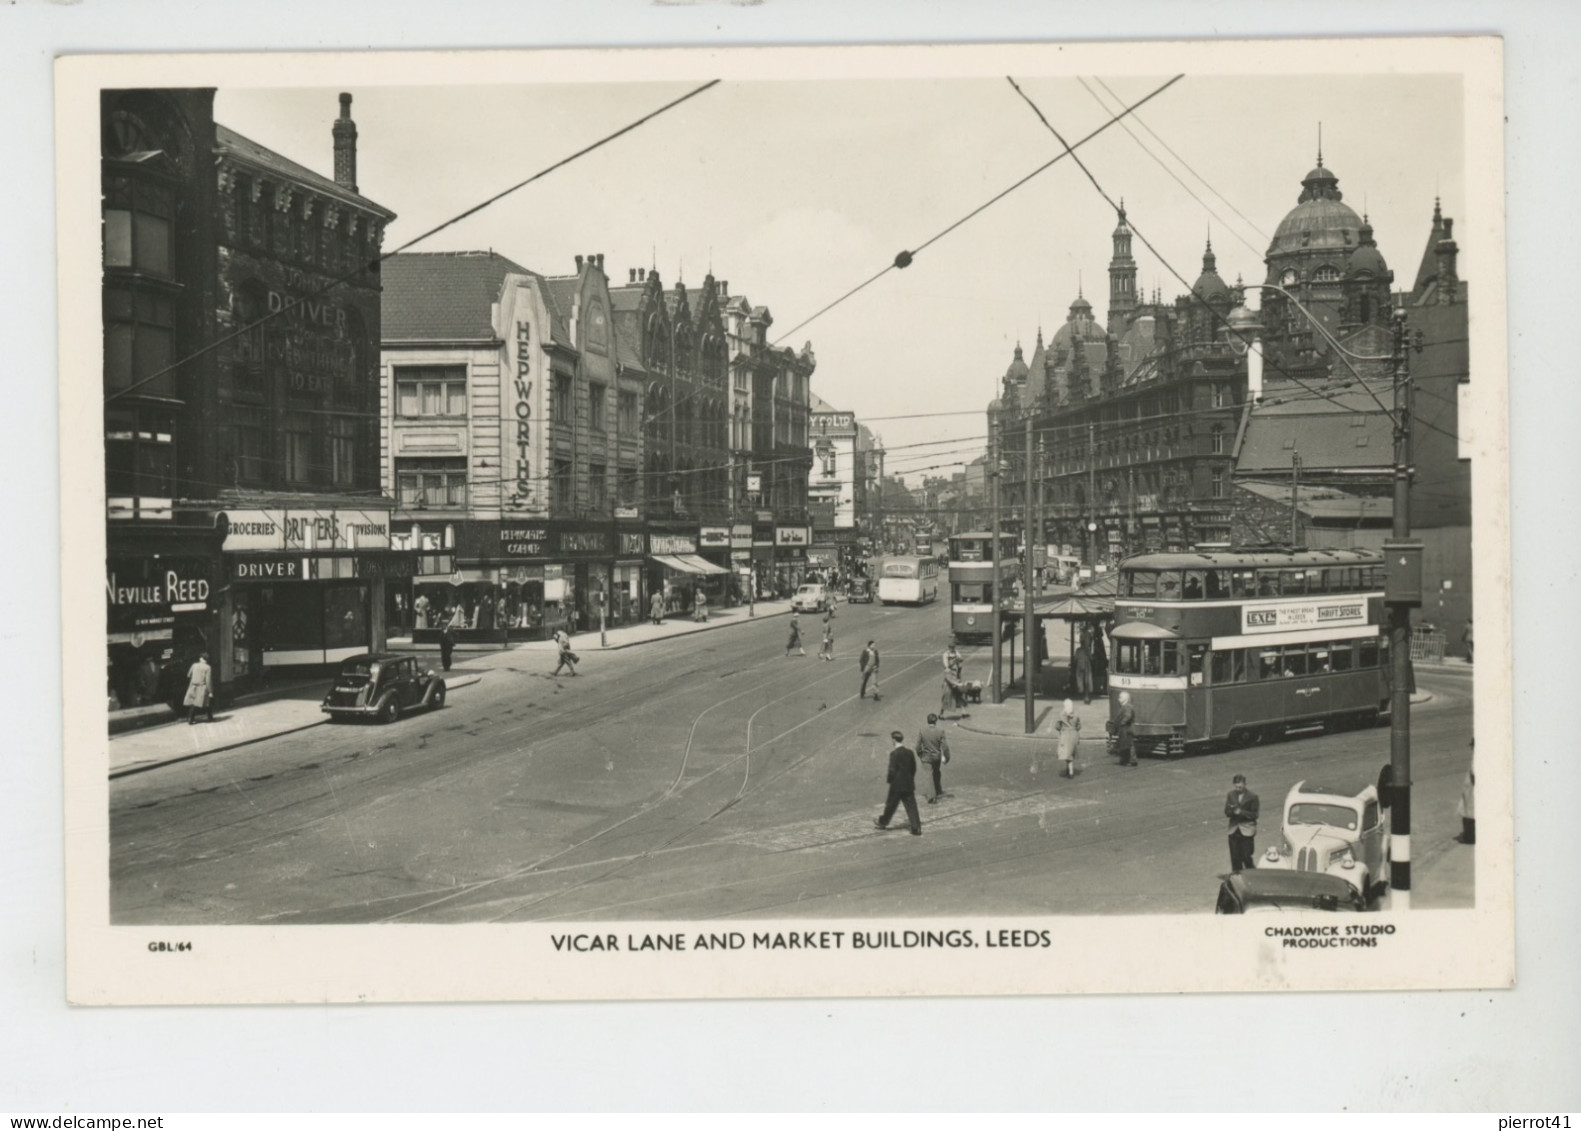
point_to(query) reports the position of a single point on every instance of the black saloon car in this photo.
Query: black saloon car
(382, 685)
(1267, 889)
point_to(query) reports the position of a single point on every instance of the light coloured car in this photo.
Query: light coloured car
(1336, 832)
(811, 598)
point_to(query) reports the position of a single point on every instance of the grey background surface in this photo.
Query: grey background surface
(1486, 1051)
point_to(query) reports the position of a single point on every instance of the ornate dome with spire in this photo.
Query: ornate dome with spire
(1319, 222)
(1017, 373)
(1366, 259)
(1209, 287)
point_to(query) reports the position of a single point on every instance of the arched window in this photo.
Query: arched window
(1326, 274)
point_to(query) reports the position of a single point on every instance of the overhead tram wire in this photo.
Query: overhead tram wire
(1142, 145)
(348, 276)
(1170, 267)
(905, 258)
(1252, 224)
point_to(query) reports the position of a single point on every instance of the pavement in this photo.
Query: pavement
(146, 738)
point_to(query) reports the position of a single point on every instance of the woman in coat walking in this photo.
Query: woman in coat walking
(1068, 732)
(200, 690)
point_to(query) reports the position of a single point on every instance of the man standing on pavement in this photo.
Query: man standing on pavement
(902, 785)
(870, 671)
(567, 658)
(1125, 731)
(1240, 806)
(933, 750)
(447, 635)
(1081, 670)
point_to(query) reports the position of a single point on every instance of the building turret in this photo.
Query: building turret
(1122, 276)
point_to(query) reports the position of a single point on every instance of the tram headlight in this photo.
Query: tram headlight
(970, 621)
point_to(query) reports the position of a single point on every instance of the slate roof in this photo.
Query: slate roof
(229, 143)
(1346, 432)
(1325, 503)
(559, 295)
(444, 296)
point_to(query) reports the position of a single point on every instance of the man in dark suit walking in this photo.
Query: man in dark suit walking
(1241, 806)
(902, 785)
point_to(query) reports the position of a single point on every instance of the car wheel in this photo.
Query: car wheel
(389, 709)
(436, 698)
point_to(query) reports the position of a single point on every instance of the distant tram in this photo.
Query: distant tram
(908, 580)
(1242, 646)
(972, 558)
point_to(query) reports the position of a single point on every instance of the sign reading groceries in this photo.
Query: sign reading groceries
(1277, 617)
(307, 529)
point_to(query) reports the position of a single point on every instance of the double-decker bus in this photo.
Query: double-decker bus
(973, 558)
(908, 580)
(1242, 646)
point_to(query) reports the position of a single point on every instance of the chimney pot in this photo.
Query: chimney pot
(633, 277)
(579, 263)
(344, 132)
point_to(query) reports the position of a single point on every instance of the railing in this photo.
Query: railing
(1427, 645)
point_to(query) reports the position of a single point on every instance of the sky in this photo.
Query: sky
(797, 191)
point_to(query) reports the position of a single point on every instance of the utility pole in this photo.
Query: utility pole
(1092, 498)
(1403, 589)
(1028, 648)
(1295, 499)
(994, 591)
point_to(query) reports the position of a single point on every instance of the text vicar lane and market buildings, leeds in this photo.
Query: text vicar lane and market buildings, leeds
(304, 436)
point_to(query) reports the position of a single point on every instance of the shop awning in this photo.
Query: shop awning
(683, 563)
(701, 565)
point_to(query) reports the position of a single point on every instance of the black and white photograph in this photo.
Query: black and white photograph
(784, 522)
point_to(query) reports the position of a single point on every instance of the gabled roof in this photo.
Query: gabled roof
(559, 294)
(1342, 430)
(445, 296)
(815, 403)
(229, 143)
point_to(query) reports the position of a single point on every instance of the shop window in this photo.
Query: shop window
(137, 340)
(343, 450)
(431, 390)
(298, 447)
(431, 484)
(597, 487)
(250, 439)
(139, 453)
(597, 406)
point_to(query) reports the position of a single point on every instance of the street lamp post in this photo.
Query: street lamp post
(1403, 589)
(1028, 646)
(994, 595)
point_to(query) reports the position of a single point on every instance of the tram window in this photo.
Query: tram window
(1317, 581)
(1295, 661)
(1295, 583)
(1169, 585)
(1351, 580)
(1238, 660)
(1144, 583)
(1268, 664)
(1221, 669)
(1372, 577)
(1193, 587)
(1243, 583)
(1128, 658)
(971, 592)
(1151, 658)
(1368, 657)
(1196, 659)
(1268, 583)
(1318, 661)
(1171, 658)
(1218, 584)
(1342, 656)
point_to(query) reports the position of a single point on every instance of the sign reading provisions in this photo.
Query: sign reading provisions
(1316, 613)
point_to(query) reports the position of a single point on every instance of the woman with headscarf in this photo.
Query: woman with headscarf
(1067, 730)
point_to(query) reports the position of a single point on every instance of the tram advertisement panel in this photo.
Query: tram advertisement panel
(1303, 614)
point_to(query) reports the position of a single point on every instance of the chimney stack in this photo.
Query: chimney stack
(345, 134)
(600, 260)
(1448, 276)
(579, 264)
(633, 277)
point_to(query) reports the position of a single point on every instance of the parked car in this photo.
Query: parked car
(382, 685)
(811, 598)
(1338, 832)
(1263, 889)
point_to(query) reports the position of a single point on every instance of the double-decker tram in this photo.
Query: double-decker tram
(972, 561)
(1242, 646)
(908, 580)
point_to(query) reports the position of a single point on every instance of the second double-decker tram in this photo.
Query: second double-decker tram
(1242, 646)
(908, 580)
(973, 558)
